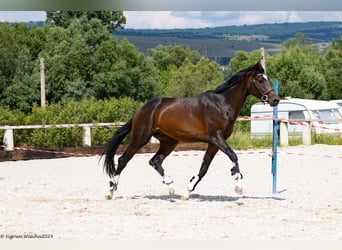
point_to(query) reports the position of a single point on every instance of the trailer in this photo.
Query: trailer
(339, 102)
(314, 112)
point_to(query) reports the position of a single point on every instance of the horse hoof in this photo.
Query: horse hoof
(171, 191)
(185, 198)
(238, 190)
(110, 195)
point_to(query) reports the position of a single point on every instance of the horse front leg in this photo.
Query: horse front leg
(208, 157)
(235, 170)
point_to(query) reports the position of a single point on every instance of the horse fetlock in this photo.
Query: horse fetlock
(167, 180)
(113, 186)
(238, 176)
(234, 170)
(192, 183)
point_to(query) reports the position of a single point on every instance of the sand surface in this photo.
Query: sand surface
(64, 198)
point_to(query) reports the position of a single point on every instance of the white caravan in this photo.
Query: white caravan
(318, 113)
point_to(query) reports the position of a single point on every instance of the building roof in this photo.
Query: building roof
(296, 104)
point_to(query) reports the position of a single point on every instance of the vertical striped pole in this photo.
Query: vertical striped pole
(275, 142)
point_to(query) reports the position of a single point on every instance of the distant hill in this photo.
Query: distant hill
(220, 43)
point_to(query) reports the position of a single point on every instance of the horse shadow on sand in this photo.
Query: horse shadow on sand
(212, 198)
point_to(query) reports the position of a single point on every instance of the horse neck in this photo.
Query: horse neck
(236, 98)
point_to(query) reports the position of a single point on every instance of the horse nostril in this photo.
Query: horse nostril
(276, 101)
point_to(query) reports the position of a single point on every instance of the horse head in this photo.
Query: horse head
(260, 87)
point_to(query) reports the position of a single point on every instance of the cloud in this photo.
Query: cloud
(294, 17)
(198, 19)
(163, 20)
(22, 16)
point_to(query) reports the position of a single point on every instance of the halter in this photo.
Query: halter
(264, 97)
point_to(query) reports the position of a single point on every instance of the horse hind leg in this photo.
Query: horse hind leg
(122, 162)
(167, 145)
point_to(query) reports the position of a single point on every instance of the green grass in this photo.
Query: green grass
(330, 139)
(241, 140)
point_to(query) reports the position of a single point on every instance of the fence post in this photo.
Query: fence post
(306, 134)
(8, 139)
(284, 134)
(42, 83)
(86, 141)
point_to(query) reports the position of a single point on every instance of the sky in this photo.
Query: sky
(194, 19)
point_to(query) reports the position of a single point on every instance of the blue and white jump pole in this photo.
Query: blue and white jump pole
(275, 143)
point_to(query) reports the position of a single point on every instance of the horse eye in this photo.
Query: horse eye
(260, 79)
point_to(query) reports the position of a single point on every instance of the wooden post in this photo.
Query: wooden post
(42, 83)
(8, 139)
(306, 134)
(86, 141)
(284, 134)
(263, 59)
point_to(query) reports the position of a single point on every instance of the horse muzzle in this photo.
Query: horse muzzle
(271, 98)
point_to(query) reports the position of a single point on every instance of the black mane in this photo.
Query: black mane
(235, 79)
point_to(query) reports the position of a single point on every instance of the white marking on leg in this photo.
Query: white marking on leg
(192, 183)
(167, 180)
(113, 184)
(238, 186)
(190, 187)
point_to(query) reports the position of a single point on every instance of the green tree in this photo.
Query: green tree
(333, 72)
(69, 59)
(8, 60)
(299, 39)
(18, 81)
(55, 53)
(168, 59)
(191, 79)
(166, 55)
(112, 20)
(300, 71)
(123, 71)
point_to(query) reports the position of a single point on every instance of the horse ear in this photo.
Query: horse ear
(258, 67)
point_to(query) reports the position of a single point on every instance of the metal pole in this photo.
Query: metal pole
(42, 83)
(275, 142)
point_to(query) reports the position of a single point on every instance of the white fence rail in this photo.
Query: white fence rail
(86, 140)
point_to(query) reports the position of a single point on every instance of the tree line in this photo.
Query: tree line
(84, 60)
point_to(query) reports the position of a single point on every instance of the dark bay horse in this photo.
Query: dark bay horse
(208, 117)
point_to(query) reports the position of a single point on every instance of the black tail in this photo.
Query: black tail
(112, 146)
